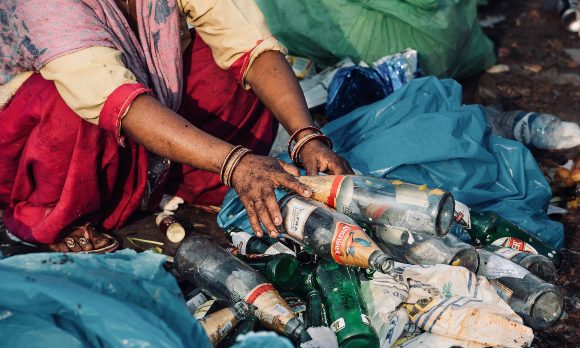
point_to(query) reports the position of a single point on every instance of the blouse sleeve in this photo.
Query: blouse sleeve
(235, 30)
(96, 85)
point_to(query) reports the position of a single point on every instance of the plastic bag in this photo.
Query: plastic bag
(444, 32)
(76, 300)
(423, 134)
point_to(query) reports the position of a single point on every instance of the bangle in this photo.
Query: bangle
(231, 162)
(295, 154)
(226, 160)
(295, 134)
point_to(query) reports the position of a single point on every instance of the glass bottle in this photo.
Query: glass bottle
(250, 244)
(330, 234)
(282, 270)
(225, 277)
(539, 265)
(243, 327)
(220, 323)
(388, 202)
(424, 249)
(346, 309)
(539, 303)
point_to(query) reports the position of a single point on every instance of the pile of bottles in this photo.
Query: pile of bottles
(352, 227)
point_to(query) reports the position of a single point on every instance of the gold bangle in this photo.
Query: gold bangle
(225, 162)
(233, 164)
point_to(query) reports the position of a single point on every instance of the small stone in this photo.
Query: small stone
(498, 69)
(535, 68)
(503, 52)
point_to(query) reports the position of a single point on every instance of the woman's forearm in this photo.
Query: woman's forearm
(274, 82)
(167, 134)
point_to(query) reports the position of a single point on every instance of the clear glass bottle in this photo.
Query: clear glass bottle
(225, 277)
(539, 303)
(220, 323)
(539, 265)
(424, 249)
(328, 233)
(389, 202)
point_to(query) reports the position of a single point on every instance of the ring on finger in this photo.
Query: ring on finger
(83, 241)
(70, 243)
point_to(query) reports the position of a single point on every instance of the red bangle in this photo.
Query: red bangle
(295, 134)
(295, 154)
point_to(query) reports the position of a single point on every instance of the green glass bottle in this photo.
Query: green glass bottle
(242, 328)
(249, 244)
(282, 270)
(315, 315)
(346, 309)
(489, 228)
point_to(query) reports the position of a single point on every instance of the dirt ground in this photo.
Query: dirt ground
(542, 77)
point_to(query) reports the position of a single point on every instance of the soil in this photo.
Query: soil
(542, 77)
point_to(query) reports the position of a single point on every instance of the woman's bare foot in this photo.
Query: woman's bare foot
(84, 238)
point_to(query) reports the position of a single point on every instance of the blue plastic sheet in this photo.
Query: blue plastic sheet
(423, 134)
(123, 299)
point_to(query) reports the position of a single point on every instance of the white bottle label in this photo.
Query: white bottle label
(365, 319)
(498, 267)
(279, 248)
(507, 253)
(462, 215)
(196, 301)
(515, 243)
(296, 216)
(522, 129)
(240, 241)
(337, 325)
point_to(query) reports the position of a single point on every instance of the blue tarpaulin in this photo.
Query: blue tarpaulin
(423, 134)
(123, 299)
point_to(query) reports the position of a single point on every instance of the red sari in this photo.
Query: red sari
(59, 171)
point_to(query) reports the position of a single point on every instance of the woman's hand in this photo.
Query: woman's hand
(255, 179)
(316, 158)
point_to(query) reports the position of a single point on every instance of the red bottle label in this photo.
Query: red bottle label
(351, 246)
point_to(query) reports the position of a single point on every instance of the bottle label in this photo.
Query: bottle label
(352, 246)
(298, 306)
(324, 188)
(412, 195)
(218, 324)
(272, 310)
(515, 243)
(498, 267)
(296, 216)
(240, 241)
(338, 325)
(365, 319)
(279, 248)
(502, 291)
(507, 253)
(522, 127)
(462, 215)
(194, 302)
(203, 309)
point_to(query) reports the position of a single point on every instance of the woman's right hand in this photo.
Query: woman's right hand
(255, 179)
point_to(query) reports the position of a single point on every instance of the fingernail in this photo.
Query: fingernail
(273, 233)
(307, 193)
(277, 220)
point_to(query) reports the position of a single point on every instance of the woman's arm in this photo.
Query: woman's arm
(273, 81)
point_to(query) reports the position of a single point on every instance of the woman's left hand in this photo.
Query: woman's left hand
(317, 157)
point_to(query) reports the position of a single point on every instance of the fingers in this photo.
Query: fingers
(96, 239)
(264, 216)
(253, 217)
(339, 167)
(58, 247)
(288, 168)
(291, 183)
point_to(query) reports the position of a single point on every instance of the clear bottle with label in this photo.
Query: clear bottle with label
(424, 249)
(543, 131)
(328, 233)
(220, 323)
(346, 309)
(282, 270)
(225, 277)
(539, 303)
(250, 244)
(539, 265)
(489, 228)
(388, 202)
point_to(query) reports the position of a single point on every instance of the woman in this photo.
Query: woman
(146, 90)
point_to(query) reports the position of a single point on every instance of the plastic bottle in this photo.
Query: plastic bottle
(250, 244)
(424, 249)
(539, 303)
(347, 311)
(489, 228)
(389, 202)
(543, 131)
(220, 323)
(281, 269)
(539, 265)
(225, 277)
(330, 234)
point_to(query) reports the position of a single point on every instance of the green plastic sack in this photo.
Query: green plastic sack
(444, 32)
